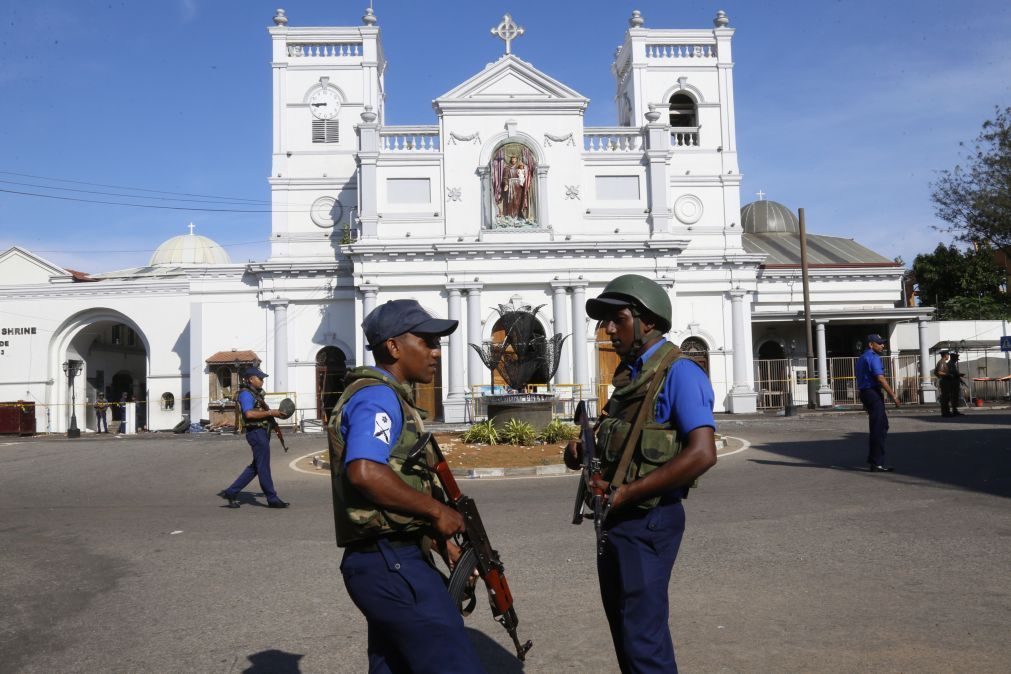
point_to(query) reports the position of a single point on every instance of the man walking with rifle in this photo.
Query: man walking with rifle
(655, 437)
(386, 517)
(258, 420)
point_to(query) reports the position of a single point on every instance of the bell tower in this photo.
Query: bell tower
(324, 79)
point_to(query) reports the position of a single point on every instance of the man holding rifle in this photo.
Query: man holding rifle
(257, 419)
(386, 517)
(655, 437)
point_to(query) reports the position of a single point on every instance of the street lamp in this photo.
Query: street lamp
(72, 368)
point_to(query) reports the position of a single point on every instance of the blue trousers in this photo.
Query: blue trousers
(259, 442)
(634, 573)
(413, 625)
(877, 419)
(101, 421)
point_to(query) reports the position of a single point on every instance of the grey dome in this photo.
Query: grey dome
(768, 217)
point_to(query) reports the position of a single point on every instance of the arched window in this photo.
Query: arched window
(697, 350)
(682, 111)
(168, 402)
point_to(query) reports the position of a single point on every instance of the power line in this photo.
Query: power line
(134, 189)
(170, 208)
(103, 251)
(113, 194)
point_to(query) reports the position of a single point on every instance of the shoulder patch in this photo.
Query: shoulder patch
(382, 427)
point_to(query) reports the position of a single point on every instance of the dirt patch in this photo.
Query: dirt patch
(461, 455)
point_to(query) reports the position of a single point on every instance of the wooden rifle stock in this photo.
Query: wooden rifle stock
(476, 550)
(588, 493)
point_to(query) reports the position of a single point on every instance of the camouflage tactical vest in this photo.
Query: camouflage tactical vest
(241, 422)
(355, 516)
(658, 443)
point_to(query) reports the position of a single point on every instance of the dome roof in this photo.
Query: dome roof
(189, 249)
(768, 217)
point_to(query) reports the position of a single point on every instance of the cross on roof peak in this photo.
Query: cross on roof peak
(192, 227)
(760, 194)
(507, 31)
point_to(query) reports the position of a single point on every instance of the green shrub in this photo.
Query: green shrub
(559, 431)
(481, 433)
(517, 432)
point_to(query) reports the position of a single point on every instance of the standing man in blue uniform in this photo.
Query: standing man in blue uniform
(101, 405)
(386, 516)
(873, 385)
(674, 446)
(256, 421)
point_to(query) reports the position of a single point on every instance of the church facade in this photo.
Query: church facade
(507, 200)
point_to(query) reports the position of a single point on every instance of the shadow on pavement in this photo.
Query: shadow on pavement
(493, 656)
(273, 662)
(976, 459)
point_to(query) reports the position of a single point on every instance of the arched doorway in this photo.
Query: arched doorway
(331, 368)
(429, 396)
(771, 350)
(607, 362)
(697, 350)
(115, 359)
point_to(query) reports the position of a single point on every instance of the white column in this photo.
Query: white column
(581, 374)
(475, 368)
(369, 293)
(455, 407)
(559, 289)
(928, 392)
(824, 391)
(743, 399)
(368, 158)
(280, 373)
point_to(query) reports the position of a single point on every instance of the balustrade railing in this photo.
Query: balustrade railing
(680, 51)
(409, 139)
(324, 49)
(684, 136)
(619, 139)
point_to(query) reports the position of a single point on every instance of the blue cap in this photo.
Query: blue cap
(875, 338)
(252, 371)
(399, 316)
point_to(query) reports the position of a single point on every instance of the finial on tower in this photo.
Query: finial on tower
(192, 227)
(368, 116)
(370, 17)
(279, 18)
(721, 20)
(507, 31)
(653, 115)
(636, 20)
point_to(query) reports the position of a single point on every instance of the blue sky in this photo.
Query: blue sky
(845, 108)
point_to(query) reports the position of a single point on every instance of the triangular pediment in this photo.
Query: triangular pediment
(511, 80)
(19, 267)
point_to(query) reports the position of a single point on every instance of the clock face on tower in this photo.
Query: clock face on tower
(324, 104)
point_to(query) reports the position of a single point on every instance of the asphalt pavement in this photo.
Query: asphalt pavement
(117, 556)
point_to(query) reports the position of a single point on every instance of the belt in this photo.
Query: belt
(394, 541)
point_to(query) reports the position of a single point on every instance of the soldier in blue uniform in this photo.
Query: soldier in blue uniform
(101, 405)
(675, 445)
(387, 518)
(873, 385)
(256, 422)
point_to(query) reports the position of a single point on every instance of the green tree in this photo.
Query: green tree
(961, 284)
(976, 198)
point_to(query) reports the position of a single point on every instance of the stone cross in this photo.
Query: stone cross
(507, 31)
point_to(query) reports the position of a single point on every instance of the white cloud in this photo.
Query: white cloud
(188, 9)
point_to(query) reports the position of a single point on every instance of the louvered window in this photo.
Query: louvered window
(325, 131)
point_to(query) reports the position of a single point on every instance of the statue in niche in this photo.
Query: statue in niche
(513, 174)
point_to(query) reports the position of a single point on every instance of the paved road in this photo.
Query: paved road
(117, 557)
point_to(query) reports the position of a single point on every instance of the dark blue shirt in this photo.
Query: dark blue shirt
(371, 422)
(686, 399)
(868, 368)
(246, 401)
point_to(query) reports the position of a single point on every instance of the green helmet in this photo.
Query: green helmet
(638, 292)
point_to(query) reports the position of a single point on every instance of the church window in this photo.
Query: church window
(117, 334)
(697, 350)
(682, 111)
(325, 131)
(513, 176)
(168, 402)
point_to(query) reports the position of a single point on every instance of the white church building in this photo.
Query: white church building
(505, 197)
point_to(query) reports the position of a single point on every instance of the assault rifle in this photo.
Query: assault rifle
(476, 551)
(587, 493)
